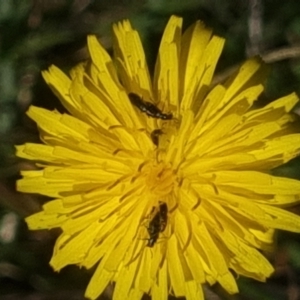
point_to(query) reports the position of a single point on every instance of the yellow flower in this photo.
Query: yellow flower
(169, 187)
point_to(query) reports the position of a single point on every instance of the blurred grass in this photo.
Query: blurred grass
(36, 34)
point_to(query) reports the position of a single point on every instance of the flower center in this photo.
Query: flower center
(159, 179)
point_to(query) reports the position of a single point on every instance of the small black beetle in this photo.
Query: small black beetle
(157, 224)
(148, 108)
(155, 135)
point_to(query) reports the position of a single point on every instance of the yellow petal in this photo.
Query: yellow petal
(193, 291)
(199, 55)
(159, 289)
(132, 61)
(175, 268)
(253, 71)
(75, 248)
(257, 182)
(60, 84)
(98, 283)
(254, 263)
(166, 73)
(41, 221)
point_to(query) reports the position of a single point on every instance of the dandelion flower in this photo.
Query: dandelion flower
(162, 184)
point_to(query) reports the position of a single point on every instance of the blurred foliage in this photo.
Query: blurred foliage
(35, 34)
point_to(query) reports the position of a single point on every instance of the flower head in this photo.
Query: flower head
(164, 184)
